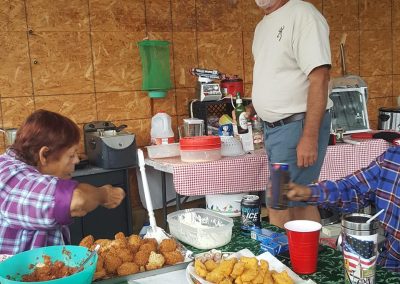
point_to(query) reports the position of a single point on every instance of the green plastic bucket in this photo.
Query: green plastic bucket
(154, 55)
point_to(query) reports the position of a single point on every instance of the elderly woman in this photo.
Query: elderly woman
(37, 196)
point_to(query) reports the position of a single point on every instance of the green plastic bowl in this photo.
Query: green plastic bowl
(12, 269)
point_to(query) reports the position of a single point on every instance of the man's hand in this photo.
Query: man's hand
(307, 152)
(113, 196)
(298, 192)
(250, 111)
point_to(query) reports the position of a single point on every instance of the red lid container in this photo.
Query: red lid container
(200, 143)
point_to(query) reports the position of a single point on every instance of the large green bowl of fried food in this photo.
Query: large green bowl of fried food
(52, 265)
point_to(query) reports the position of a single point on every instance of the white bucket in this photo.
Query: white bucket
(226, 204)
(161, 129)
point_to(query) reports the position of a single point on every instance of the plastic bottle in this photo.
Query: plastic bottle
(241, 118)
(161, 129)
(258, 132)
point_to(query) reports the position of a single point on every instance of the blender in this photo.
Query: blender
(191, 127)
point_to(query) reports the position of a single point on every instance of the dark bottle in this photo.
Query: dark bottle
(241, 116)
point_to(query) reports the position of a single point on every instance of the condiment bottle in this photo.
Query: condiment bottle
(241, 116)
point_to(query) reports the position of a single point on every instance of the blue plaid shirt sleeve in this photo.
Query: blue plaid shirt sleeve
(350, 193)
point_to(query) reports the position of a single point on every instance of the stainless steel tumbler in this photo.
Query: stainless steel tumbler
(359, 242)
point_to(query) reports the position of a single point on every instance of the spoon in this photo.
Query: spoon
(80, 268)
(373, 217)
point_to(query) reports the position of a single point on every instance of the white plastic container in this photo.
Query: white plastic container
(163, 150)
(200, 148)
(227, 204)
(200, 228)
(161, 130)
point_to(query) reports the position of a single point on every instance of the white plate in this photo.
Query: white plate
(274, 264)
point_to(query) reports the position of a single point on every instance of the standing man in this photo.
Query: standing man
(290, 93)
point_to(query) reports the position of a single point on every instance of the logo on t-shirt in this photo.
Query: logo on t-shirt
(279, 35)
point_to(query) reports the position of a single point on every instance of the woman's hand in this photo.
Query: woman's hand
(298, 192)
(86, 198)
(113, 196)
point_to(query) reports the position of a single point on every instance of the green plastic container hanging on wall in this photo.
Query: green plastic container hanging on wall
(155, 67)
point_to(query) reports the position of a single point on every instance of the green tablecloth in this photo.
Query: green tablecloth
(330, 264)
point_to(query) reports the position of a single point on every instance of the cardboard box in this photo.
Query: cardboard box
(271, 241)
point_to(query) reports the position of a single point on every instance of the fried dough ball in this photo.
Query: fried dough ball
(99, 274)
(153, 242)
(127, 268)
(125, 254)
(167, 245)
(111, 263)
(173, 257)
(117, 244)
(120, 236)
(134, 242)
(87, 242)
(141, 257)
(104, 244)
(156, 261)
(148, 247)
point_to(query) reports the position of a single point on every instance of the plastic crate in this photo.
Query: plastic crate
(211, 111)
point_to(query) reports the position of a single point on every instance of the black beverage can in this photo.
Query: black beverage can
(279, 180)
(250, 208)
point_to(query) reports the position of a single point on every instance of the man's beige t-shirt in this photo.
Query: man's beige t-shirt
(288, 44)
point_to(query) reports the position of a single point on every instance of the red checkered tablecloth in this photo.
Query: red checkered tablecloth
(344, 159)
(250, 172)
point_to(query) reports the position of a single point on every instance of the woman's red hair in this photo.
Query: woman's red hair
(45, 128)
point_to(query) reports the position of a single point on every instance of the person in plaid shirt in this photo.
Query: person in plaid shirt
(37, 196)
(379, 183)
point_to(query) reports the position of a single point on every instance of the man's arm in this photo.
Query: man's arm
(86, 198)
(307, 149)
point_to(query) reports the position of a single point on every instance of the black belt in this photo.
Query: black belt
(289, 119)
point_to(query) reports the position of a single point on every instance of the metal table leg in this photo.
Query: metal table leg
(178, 201)
(164, 198)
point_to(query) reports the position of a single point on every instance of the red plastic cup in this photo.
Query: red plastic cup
(303, 237)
